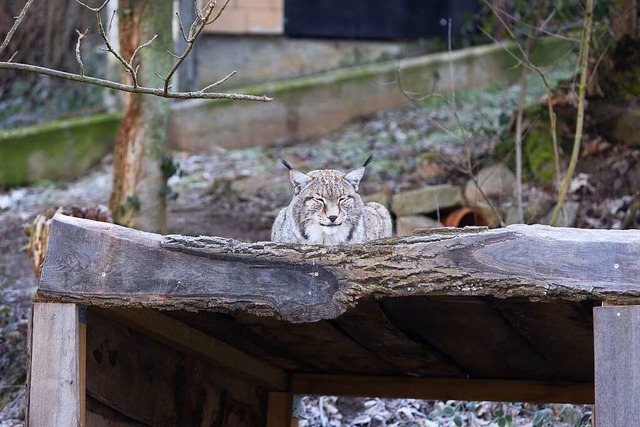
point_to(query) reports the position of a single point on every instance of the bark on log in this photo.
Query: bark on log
(107, 265)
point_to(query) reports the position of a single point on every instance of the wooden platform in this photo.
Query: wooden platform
(210, 331)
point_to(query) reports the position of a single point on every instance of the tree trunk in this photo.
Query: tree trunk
(138, 199)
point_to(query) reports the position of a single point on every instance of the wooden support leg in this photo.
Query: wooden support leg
(57, 374)
(617, 365)
(279, 407)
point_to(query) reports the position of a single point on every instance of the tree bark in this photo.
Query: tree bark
(138, 199)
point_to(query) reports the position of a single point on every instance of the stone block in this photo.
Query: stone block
(406, 225)
(426, 200)
(497, 182)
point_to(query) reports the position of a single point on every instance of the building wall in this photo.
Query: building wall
(249, 17)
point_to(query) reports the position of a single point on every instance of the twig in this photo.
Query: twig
(128, 88)
(78, 56)
(203, 16)
(527, 62)
(219, 82)
(469, 169)
(14, 27)
(94, 9)
(453, 84)
(583, 63)
(142, 46)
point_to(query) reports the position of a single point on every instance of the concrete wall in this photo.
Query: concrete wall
(317, 104)
(271, 58)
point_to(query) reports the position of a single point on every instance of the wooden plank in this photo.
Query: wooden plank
(369, 326)
(443, 388)
(561, 332)
(471, 333)
(104, 264)
(185, 338)
(157, 385)
(56, 386)
(279, 409)
(320, 344)
(617, 372)
(225, 328)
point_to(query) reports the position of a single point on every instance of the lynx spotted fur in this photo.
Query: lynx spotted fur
(326, 209)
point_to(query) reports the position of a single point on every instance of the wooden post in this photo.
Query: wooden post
(57, 376)
(279, 407)
(617, 365)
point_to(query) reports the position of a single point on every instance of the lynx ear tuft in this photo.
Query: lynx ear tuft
(299, 180)
(286, 164)
(366, 162)
(354, 177)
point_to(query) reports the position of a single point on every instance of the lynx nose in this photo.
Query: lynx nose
(333, 218)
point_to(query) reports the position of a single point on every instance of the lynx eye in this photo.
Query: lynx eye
(345, 200)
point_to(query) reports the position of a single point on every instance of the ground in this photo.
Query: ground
(237, 193)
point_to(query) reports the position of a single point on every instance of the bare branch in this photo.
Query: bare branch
(13, 56)
(143, 45)
(219, 82)
(113, 15)
(128, 88)
(194, 32)
(469, 169)
(105, 38)
(184, 36)
(94, 9)
(15, 26)
(78, 55)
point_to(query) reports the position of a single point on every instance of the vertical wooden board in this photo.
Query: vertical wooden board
(320, 344)
(561, 331)
(368, 325)
(279, 409)
(617, 365)
(55, 387)
(226, 329)
(157, 385)
(471, 333)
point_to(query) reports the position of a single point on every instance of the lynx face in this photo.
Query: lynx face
(327, 204)
(327, 209)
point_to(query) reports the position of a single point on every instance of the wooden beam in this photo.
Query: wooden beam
(215, 352)
(617, 371)
(56, 380)
(107, 265)
(443, 388)
(279, 409)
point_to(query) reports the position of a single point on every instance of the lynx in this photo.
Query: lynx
(326, 209)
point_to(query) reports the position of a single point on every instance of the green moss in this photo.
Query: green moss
(58, 150)
(537, 148)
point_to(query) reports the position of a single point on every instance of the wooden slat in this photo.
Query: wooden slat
(368, 325)
(56, 385)
(617, 371)
(279, 408)
(561, 332)
(181, 336)
(443, 388)
(158, 385)
(226, 329)
(104, 264)
(471, 333)
(319, 344)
